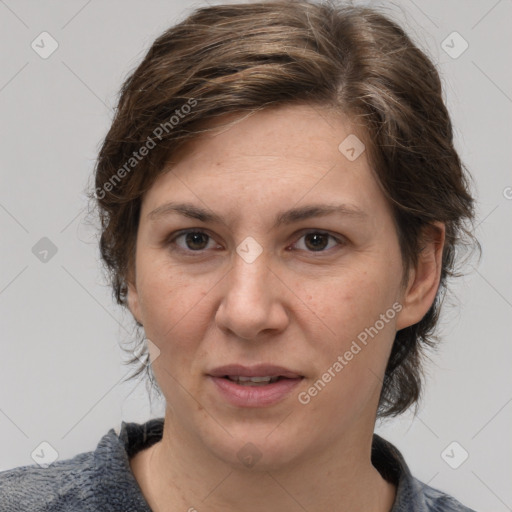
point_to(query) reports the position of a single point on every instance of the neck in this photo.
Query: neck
(182, 474)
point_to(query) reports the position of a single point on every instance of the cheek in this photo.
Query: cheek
(350, 302)
(349, 364)
(175, 320)
(171, 304)
(352, 343)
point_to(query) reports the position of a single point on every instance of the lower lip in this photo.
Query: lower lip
(254, 396)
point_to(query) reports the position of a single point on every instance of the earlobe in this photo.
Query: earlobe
(424, 279)
(132, 298)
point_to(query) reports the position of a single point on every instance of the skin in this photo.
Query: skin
(294, 306)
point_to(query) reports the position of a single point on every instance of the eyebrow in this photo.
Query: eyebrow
(283, 218)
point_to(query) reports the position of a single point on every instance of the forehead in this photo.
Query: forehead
(291, 154)
(297, 131)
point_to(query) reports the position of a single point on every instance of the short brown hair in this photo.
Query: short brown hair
(241, 58)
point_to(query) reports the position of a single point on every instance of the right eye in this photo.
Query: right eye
(194, 241)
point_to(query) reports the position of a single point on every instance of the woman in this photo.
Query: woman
(280, 203)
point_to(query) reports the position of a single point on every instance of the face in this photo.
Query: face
(269, 287)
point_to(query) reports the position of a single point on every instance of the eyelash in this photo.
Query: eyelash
(172, 240)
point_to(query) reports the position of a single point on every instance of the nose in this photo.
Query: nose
(252, 303)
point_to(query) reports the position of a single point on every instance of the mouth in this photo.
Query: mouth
(260, 374)
(255, 386)
(253, 381)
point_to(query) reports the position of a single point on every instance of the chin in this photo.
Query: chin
(257, 449)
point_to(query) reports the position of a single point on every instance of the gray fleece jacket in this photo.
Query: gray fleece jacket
(101, 480)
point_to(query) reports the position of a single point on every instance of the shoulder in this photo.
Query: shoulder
(412, 495)
(429, 499)
(34, 488)
(92, 481)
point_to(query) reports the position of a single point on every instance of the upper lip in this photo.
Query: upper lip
(259, 370)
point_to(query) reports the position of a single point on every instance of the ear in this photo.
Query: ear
(424, 279)
(132, 299)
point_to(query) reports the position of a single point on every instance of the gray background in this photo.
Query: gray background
(61, 366)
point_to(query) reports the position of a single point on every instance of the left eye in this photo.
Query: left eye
(317, 241)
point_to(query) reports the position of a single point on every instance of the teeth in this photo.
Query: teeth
(252, 381)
